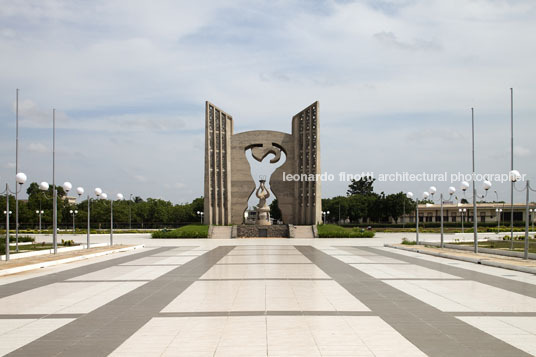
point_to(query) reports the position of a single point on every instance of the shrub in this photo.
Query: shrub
(189, 231)
(405, 241)
(21, 239)
(334, 231)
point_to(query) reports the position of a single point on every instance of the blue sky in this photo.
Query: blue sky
(395, 79)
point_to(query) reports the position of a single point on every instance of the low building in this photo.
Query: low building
(486, 212)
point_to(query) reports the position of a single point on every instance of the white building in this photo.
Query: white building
(486, 212)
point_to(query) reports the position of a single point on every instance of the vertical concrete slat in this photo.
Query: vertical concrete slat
(228, 133)
(207, 201)
(220, 169)
(213, 178)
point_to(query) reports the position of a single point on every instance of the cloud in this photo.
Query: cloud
(140, 178)
(432, 134)
(521, 151)
(38, 148)
(33, 116)
(390, 39)
(130, 83)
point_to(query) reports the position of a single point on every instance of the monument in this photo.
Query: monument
(263, 216)
(228, 180)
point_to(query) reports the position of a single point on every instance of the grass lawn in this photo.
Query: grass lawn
(335, 231)
(189, 231)
(32, 247)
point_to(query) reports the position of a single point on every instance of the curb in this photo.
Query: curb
(66, 260)
(481, 261)
(506, 253)
(50, 251)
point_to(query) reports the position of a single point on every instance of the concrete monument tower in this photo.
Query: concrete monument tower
(228, 180)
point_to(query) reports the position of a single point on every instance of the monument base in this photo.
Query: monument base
(261, 231)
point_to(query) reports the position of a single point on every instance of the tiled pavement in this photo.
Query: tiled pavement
(260, 299)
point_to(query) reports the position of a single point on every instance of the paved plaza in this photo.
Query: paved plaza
(271, 297)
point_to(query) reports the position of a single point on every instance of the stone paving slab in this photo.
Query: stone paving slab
(268, 301)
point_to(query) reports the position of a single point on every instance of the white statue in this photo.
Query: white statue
(263, 218)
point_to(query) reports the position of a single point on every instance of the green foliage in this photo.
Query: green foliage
(150, 213)
(275, 212)
(12, 239)
(405, 241)
(189, 231)
(370, 206)
(335, 231)
(362, 187)
(68, 243)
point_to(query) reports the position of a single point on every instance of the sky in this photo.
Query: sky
(396, 81)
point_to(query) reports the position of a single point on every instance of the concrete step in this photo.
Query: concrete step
(303, 232)
(221, 232)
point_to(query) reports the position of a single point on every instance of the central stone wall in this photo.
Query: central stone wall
(253, 231)
(228, 180)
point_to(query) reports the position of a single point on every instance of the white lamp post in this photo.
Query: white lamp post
(73, 213)
(98, 193)
(119, 197)
(498, 211)
(514, 176)
(20, 178)
(44, 186)
(201, 214)
(462, 213)
(410, 196)
(532, 210)
(324, 214)
(432, 191)
(39, 213)
(486, 185)
(425, 196)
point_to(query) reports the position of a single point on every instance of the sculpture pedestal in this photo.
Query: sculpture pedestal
(256, 231)
(263, 217)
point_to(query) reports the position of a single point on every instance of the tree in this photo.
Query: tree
(275, 212)
(397, 203)
(364, 186)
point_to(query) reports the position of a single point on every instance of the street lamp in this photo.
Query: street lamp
(7, 233)
(98, 193)
(410, 196)
(486, 185)
(40, 213)
(44, 186)
(130, 211)
(7, 213)
(324, 214)
(432, 191)
(514, 176)
(201, 214)
(462, 212)
(532, 210)
(20, 178)
(73, 213)
(498, 212)
(119, 197)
